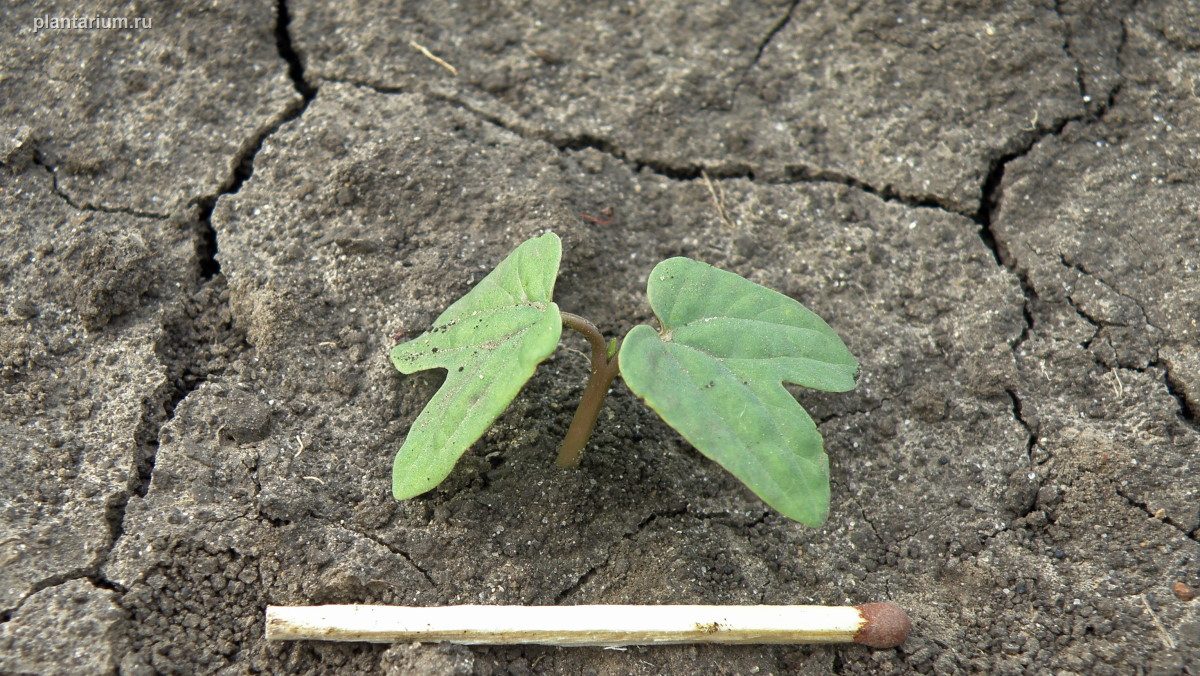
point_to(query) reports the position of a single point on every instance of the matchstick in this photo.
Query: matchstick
(879, 625)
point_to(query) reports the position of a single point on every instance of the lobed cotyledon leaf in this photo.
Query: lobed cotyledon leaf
(489, 341)
(716, 371)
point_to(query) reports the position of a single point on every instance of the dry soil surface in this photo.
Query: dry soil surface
(212, 228)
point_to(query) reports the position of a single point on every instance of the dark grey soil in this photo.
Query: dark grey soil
(210, 231)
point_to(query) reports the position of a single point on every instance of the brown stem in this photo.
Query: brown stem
(604, 370)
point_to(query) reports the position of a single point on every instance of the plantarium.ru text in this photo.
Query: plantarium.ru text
(714, 371)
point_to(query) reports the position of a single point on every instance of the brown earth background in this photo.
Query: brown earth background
(211, 229)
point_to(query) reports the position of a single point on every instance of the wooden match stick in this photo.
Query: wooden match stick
(879, 625)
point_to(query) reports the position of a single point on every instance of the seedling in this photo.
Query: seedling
(714, 371)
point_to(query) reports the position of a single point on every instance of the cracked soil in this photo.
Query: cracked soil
(211, 229)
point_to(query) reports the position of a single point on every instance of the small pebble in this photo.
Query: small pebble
(1184, 591)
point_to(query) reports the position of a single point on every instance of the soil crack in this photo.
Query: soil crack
(775, 30)
(90, 573)
(1078, 267)
(206, 246)
(398, 552)
(185, 357)
(1096, 324)
(845, 414)
(287, 52)
(587, 575)
(870, 524)
(1018, 413)
(989, 202)
(582, 580)
(1158, 516)
(989, 207)
(1066, 47)
(1177, 389)
(654, 516)
(1174, 386)
(791, 174)
(40, 161)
